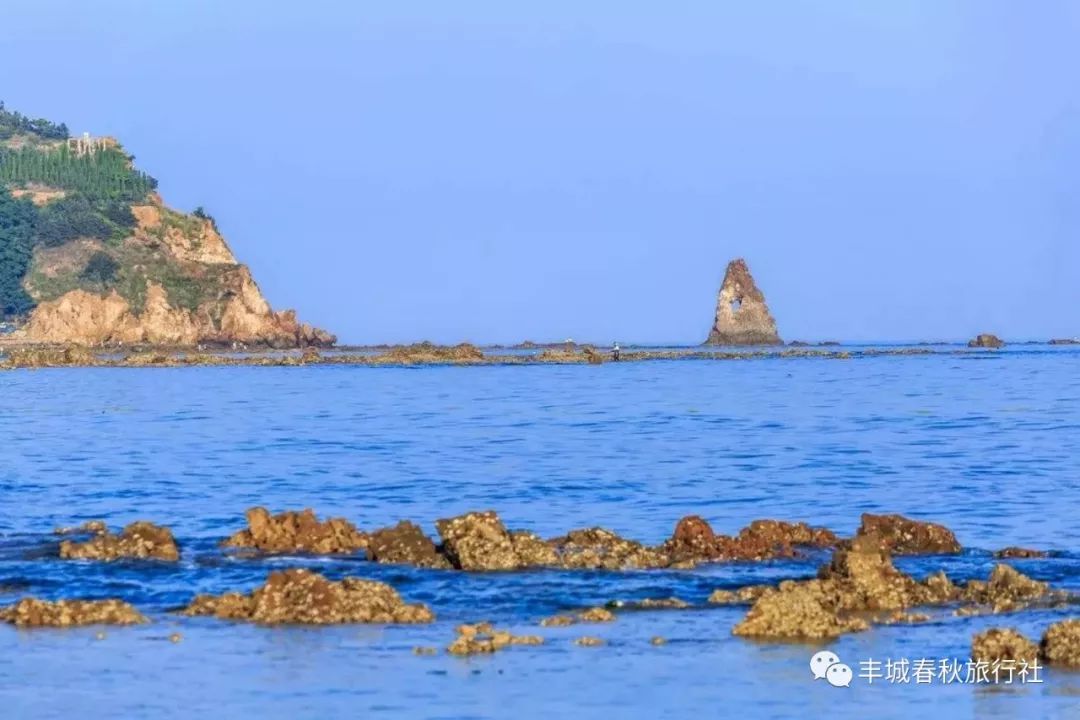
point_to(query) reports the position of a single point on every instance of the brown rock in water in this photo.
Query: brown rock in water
(589, 641)
(859, 579)
(90, 526)
(1061, 643)
(765, 539)
(532, 550)
(1005, 590)
(405, 544)
(694, 540)
(743, 596)
(986, 340)
(796, 611)
(596, 615)
(31, 612)
(998, 644)
(899, 535)
(1019, 553)
(139, 539)
(300, 596)
(480, 541)
(48, 357)
(482, 638)
(427, 353)
(558, 621)
(598, 548)
(864, 578)
(742, 317)
(290, 532)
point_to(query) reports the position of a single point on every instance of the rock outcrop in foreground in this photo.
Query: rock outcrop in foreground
(300, 532)
(742, 317)
(860, 583)
(1000, 644)
(303, 597)
(31, 612)
(140, 539)
(1061, 643)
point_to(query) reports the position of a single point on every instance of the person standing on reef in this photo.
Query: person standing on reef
(615, 351)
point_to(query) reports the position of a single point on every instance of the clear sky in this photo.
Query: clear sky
(496, 171)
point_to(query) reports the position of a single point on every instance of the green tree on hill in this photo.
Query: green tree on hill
(101, 268)
(17, 217)
(13, 123)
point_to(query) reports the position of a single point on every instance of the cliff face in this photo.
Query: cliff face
(742, 317)
(214, 299)
(99, 259)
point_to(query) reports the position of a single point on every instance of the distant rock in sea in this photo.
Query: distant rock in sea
(742, 317)
(986, 340)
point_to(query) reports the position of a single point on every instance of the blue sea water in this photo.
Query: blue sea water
(987, 443)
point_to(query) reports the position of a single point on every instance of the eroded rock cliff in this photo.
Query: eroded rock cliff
(176, 283)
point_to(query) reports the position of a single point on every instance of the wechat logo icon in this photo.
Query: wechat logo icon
(826, 666)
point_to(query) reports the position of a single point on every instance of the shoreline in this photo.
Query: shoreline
(22, 356)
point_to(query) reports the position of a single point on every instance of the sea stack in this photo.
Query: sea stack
(742, 317)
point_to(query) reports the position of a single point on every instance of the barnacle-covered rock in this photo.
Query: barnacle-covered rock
(139, 539)
(32, 612)
(300, 596)
(297, 532)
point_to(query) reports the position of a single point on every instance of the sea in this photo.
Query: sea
(987, 443)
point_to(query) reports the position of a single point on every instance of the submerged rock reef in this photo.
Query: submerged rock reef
(300, 596)
(860, 582)
(857, 588)
(16, 356)
(484, 639)
(742, 317)
(140, 539)
(32, 612)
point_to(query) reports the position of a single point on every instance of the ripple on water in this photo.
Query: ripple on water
(988, 447)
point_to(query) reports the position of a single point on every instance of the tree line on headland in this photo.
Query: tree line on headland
(97, 187)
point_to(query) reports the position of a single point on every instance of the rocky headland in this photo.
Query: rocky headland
(91, 255)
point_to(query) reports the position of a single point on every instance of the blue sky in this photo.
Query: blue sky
(497, 171)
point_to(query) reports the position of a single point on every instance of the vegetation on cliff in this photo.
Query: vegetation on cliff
(87, 188)
(13, 123)
(89, 254)
(16, 244)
